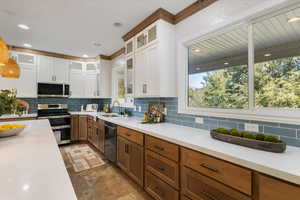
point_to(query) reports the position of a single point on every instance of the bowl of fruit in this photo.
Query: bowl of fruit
(7, 130)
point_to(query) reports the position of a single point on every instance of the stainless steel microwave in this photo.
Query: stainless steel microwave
(53, 90)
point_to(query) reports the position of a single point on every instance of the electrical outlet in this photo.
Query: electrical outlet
(199, 120)
(251, 127)
(140, 108)
(134, 108)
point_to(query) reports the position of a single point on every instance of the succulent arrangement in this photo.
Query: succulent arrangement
(248, 135)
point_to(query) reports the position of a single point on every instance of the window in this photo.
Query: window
(218, 71)
(250, 71)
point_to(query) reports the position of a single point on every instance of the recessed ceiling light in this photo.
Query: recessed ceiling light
(226, 63)
(23, 26)
(294, 19)
(196, 50)
(118, 24)
(96, 44)
(27, 45)
(85, 56)
(267, 55)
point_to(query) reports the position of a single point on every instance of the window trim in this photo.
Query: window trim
(277, 115)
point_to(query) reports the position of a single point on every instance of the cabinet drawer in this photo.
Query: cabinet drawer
(199, 187)
(163, 148)
(186, 198)
(230, 174)
(273, 189)
(158, 189)
(163, 168)
(131, 135)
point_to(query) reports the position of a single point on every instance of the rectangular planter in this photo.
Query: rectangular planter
(255, 144)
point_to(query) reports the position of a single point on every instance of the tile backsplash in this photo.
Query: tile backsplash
(288, 133)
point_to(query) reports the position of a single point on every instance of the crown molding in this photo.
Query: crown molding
(169, 17)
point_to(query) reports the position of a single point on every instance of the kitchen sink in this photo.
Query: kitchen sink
(110, 115)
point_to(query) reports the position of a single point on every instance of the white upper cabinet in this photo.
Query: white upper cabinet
(129, 47)
(53, 70)
(129, 76)
(92, 80)
(77, 77)
(154, 67)
(61, 70)
(26, 84)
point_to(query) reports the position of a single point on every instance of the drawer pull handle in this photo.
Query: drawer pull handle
(159, 148)
(160, 168)
(128, 135)
(209, 168)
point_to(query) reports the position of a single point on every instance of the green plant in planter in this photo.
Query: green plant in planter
(223, 130)
(271, 138)
(235, 132)
(260, 136)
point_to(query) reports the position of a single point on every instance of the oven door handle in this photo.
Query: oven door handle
(60, 127)
(55, 117)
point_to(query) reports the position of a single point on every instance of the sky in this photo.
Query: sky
(196, 79)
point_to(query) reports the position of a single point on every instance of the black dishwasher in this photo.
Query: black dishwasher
(110, 142)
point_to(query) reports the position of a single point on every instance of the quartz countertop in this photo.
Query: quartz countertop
(12, 116)
(32, 167)
(281, 165)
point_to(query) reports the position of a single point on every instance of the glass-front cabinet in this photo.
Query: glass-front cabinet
(152, 33)
(129, 47)
(146, 37)
(129, 75)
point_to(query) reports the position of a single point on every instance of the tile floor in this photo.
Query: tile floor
(106, 182)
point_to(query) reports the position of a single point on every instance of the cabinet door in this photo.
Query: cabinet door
(123, 154)
(74, 127)
(91, 85)
(45, 69)
(26, 84)
(83, 127)
(77, 84)
(129, 76)
(199, 187)
(274, 189)
(140, 73)
(152, 72)
(61, 70)
(152, 34)
(136, 163)
(129, 47)
(141, 40)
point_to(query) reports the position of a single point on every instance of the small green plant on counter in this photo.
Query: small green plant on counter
(248, 135)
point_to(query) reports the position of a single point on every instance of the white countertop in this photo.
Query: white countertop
(11, 116)
(281, 165)
(31, 166)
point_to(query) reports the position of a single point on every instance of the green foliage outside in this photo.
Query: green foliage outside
(277, 84)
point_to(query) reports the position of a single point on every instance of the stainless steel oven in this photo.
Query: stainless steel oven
(59, 119)
(53, 90)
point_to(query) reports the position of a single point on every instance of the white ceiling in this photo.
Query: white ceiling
(72, 26)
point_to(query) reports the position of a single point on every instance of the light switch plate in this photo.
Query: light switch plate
(165, 111)
(134, 108)
(251, 127)
(199, 120)
(140, 108)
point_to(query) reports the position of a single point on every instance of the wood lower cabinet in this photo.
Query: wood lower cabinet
(74, 128)
(158, 189)
(130, 158)
(219, 170)
(163, 168)
(83, 128)
(269, 188)
(199, 187)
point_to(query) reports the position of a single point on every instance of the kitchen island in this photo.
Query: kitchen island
(32, 167)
